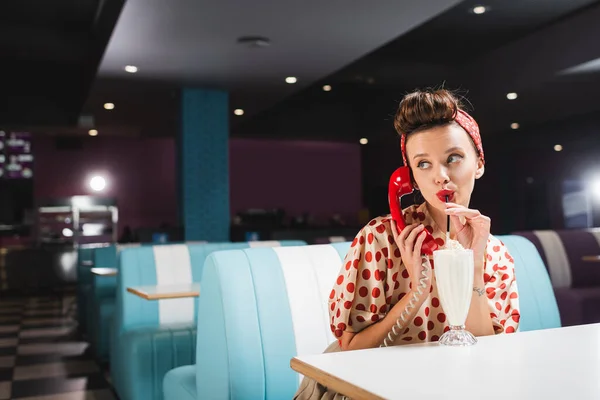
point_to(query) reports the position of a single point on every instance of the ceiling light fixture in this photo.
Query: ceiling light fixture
(364, 141)
(291, 80)
(514, 125)
(327, 88)
(238, 111)
(558, 147)
(132, 69)
(93, 132)
(109, 106)
(512, 96)
(479, 10)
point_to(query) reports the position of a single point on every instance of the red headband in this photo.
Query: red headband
(467, 123)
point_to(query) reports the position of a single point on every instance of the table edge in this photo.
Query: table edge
(113, 272)
(590, 258)
(326, 379)
(166, 296)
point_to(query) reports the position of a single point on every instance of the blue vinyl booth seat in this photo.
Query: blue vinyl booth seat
(259, 308)
(101, 299)
(85, 260)
(149, 338)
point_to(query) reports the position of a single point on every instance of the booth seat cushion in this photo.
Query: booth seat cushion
(152, 265)
(258, 309)
(537, 303)
(180, 383)
(102, 305)
(562, 252)
(103, 317)
(578, 305)
(149, 353)
(85, 256)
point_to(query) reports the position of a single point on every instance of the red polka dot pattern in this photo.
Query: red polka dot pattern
(365, 290)
(350, 287)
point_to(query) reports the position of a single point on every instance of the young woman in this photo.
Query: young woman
(381, 273)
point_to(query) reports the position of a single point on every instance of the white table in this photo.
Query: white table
(561, 363)
(160, 292)
(105, 271)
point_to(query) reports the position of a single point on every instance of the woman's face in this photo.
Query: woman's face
(444, 162)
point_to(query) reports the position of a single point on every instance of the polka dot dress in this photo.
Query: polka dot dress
(373, 279)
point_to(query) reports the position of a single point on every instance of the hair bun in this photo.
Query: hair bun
(424, 109)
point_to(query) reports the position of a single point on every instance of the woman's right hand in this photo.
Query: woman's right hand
(410, 241)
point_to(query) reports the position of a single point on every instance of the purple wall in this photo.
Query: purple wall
(322, 178)
(319, 177)
(139, 173)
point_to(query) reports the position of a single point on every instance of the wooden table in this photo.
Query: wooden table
(160, 292)
(545, 364)
(105, 271)
(591, 258)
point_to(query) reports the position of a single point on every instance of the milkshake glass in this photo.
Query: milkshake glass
(454, 269)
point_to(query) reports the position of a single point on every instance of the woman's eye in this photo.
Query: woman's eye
(423, 165)
(454, 158)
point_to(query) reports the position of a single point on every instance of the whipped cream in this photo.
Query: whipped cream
(452, 244)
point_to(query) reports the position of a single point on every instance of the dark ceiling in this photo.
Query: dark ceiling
(518, 46)
(49, 55)
(371, 56)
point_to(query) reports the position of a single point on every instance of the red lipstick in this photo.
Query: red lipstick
(443, 193)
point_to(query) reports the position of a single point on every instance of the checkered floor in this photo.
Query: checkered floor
(42, 356)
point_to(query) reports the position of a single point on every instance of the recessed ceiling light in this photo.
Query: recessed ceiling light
(512, 96)
(558, 147)
(514, 125)
(327, 88)
(364, 141)
(132, 69)
(238, 111)
(479, 10)
(93, 132)
(109, 106)
(291, 79)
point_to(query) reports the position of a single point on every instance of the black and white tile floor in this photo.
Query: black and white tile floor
(42, 356)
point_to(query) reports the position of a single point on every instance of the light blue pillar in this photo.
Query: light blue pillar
(203, 150)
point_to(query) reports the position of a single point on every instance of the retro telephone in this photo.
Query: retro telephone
(400, 185)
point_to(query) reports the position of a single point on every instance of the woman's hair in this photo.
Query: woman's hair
(424, 109)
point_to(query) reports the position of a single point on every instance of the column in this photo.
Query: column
(203, 150)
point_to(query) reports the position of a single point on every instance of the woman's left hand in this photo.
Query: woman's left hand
(472, 229)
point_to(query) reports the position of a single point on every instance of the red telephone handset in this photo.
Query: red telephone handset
(400, 185)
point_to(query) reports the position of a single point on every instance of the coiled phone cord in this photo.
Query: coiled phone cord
(402, 321)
